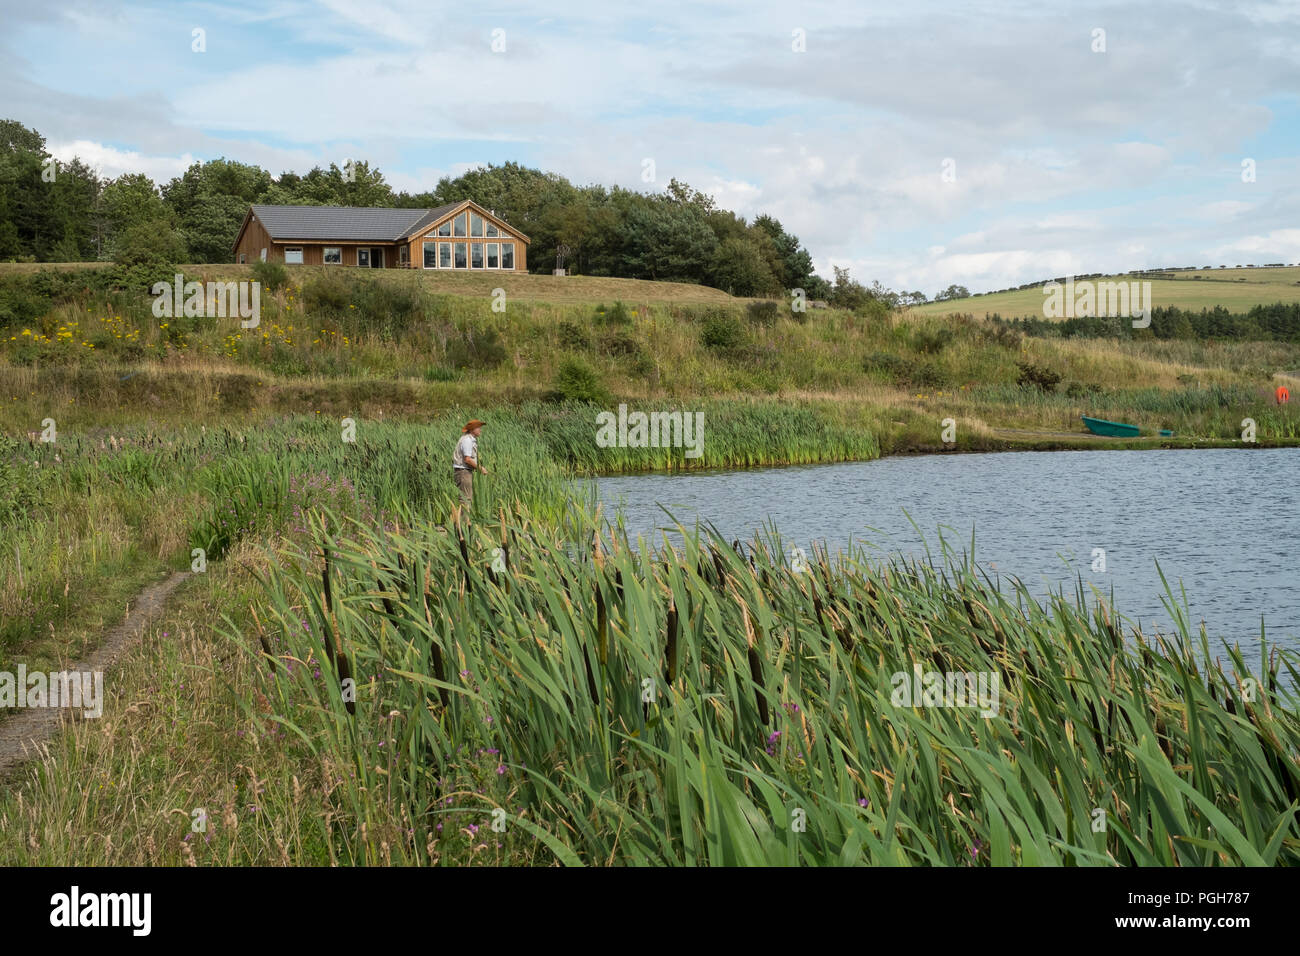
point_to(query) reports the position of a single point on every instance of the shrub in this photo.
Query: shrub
(1002, 335)
(147, 253)
(576, 381)
(389, 308)
(1037, 376)
(904, 372)
(572, 337)
(272, 275)
(619, 345)
(721, 331)
(763, 312)
(931, 341)
(20, 303)
(326, 294)
(476, 349)
(439, 373)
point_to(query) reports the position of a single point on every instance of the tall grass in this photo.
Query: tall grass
(93, 506)
(731, 435)
(700, 705)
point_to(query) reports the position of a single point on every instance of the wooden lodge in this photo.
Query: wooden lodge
(461, 235)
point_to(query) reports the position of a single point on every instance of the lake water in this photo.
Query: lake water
(1224, 522)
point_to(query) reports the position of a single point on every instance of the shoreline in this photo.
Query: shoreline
(1082, 443)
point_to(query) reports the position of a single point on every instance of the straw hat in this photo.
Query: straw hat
(473, 424)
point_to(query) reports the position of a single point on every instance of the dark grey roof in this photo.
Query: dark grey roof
(345, 223)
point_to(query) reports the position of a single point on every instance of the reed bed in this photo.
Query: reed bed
(731, 435)
(717, 704)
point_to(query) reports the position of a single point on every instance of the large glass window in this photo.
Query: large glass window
(492, 230)
(363, 257)
(444, 255)
(334, 255)
(460, 255)
(460, 225)
(292, 255)
(444, 229)
(494, 255)
(429, 252)
(476, 255)
(507, 255)
(475, 224)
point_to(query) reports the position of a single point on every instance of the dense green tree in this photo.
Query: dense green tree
(210, 201)
(355, 183)
(148, 252)
(795, 262)
(739, 268)
(130, 199)
(17, 138)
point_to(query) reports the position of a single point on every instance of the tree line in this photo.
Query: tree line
(63, 212)
(1277, 322)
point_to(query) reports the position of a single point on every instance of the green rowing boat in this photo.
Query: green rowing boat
(1099, 426)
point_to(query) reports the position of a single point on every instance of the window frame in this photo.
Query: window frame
(460, 223)
(444, 227)
(325, 256)
(287, 251)
(475, 220)
(444, 247)
(460, 250)
(510, 267)
(366, 250)
(424, 250)
(493, 232)
(476, 247)
(492, 250)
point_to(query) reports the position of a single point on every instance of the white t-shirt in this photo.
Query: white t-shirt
(467, 447)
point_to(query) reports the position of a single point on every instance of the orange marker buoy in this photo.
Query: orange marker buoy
(1283, 396)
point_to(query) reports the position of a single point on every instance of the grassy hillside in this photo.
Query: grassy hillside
(1234, 289)
(357, 344)
(524, 286)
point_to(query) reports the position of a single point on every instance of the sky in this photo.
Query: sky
(920, 144)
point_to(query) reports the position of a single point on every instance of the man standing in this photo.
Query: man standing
(465, 461)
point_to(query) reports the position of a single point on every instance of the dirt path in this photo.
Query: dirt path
(30, 727)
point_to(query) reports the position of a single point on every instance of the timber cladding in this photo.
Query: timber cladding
(379, 237)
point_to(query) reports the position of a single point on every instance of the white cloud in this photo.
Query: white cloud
(1279, 245)
(110, 163)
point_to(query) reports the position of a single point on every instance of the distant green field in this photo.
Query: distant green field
(1234, 289)
(524, 286)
